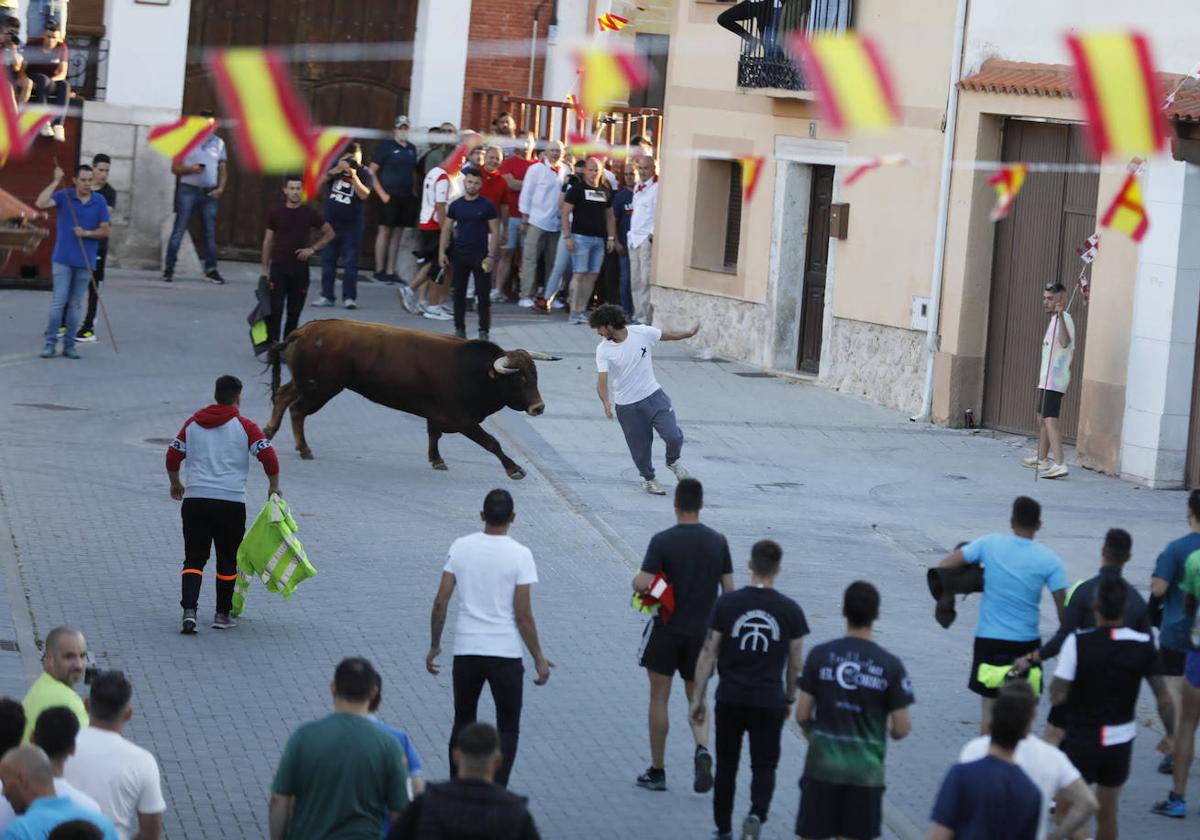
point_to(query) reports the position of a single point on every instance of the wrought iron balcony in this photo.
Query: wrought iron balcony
(768, 26)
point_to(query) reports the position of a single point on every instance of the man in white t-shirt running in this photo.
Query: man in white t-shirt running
(624, 362)
(1047, 767)
(493, 574)
(121, 776)
(1058, 347)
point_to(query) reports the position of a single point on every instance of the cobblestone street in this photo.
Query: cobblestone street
(849, 489)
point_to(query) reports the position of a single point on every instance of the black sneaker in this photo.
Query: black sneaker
(653, 779)
(222, 621)
(189, 623)
(214, 277)
(461, 333)
(704, 777)
(378, 277)
(393, 280)
(168, 276)
(85, 337)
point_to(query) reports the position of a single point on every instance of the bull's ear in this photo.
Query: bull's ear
(543, 357)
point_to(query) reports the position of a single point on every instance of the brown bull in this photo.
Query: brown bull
(454, 384)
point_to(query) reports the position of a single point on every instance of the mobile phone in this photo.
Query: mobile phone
(201, 165)
(440, 278)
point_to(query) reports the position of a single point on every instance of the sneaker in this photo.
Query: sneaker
(1172, 806)
(378, 277)
(751, 828)
(48, 351)
(680, 472)
(324, 301)
(214, 277)
(526, 303)
(408, 299)
(443, 309)
(653, 779)
(350, 304)
(1167, 765)
(393, 280)
(189, 623)
(71, 352)
(460, 333)
(704, 778)
(168, 276)
(497, 296)
(1054, 470)
(222, 621)
(579, 318)
(558, 304)
(483, 335)
(62, 330)
(436, 313)
(1034, 463)
(85, 336)
(59, 134)
(47, 131)
(653, 487)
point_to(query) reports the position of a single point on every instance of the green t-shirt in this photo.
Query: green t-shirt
(46, 693)
(343, 771)
(1190, 585)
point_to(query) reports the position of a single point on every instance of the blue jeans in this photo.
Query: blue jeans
(70, 285)
(589, 254)
(187, 199)
(346, 243)
(626, 289)
(39, 10)
(562, 266)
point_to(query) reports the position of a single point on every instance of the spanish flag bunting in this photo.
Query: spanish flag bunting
(607, 77)
(1127, 213)
(612, 23)
(1008, 182)
(580, 116)
(177, 139)
(271, 125)
(10, 129)
(329, 145)
(874, 163)
(1115, 79)
(752, 166)
(581, 145)
(30, 121)
(853, 85)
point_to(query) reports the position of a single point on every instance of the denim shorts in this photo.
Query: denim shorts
(588, 255)
(515, 239)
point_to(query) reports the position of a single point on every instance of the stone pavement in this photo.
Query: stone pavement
(849, 489)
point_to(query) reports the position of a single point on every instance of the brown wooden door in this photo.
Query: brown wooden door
(816, 263)
(359, 93)
(1053, 214)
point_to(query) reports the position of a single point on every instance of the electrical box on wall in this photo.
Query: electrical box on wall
(839, 221)
(920, 313)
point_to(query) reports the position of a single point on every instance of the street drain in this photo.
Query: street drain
(51, 406)
(954, 477)
(754, 374)
(9, 644)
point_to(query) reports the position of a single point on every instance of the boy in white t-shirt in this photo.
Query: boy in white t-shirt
(624, 363)
(493, 574)
(1054, 376)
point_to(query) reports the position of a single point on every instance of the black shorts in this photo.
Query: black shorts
(1058, 716)
(1171, 662)
(664, 651)
(427, 246)
(996, 652)
(1049, 403)
(828, 810)
(401, 211)
(1099, 765)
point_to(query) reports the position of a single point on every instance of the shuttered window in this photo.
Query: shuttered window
(733, 217)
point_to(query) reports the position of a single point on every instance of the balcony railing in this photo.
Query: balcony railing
(551, 119)
(764, 61)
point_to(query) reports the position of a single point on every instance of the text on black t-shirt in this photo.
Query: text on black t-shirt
(757, 626)
(589, 214)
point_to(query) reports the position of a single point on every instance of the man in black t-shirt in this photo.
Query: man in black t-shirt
(349, 187)
(589, 232)
(101, 164)
(753, 634)
(285, 254)
(475, 224)
(695, 560)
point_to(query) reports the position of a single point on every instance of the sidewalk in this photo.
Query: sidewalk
(849, 489)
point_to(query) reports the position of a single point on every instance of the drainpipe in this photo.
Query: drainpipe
(939, 248)
(533, 44)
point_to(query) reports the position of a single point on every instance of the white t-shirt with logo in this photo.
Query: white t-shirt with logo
(122, 777)
(1047, 767)
(629, 364)
(487, 570)
(1055, 371)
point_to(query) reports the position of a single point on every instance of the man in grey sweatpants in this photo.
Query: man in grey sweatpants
(624, 361)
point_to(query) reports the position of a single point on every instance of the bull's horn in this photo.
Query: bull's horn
(544, 357)
(501, 366)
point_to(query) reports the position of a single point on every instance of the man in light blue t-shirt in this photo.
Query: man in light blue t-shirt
(1015, 570)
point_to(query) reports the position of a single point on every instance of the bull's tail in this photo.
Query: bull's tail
(275, 362)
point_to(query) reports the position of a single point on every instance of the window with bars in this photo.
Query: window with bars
(717, 221)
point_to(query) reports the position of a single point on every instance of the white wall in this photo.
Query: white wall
(1032, 30)
(147, 53)
(560, 58)
(439, 62)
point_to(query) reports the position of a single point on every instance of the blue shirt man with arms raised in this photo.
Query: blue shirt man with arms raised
(28, 778)
(1015, 570)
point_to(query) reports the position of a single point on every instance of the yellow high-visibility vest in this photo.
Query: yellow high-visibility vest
(271, 552)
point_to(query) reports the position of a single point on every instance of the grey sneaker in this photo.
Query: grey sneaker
(350, 303)
(652, 487)
(653, 779)
(680, 472)
(222, 621)
(324, 301)
(189, 623)
(751, 828)
(408, 300)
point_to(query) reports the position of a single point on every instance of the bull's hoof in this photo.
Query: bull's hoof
(305, 454)
(439, 464)
(516, 473)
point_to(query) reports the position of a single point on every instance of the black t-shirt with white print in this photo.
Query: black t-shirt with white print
(757, 626)
(590, 214)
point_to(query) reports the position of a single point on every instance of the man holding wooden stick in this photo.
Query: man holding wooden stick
(1058, 347)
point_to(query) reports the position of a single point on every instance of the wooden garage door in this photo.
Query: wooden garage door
(368, 94)
(1054, 213)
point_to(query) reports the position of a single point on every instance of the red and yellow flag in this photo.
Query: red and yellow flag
(853, 85)
(612, 23)
(609, 77)
(752, 166)
(1008, 182)
(329, 144)
(178, 138)
(872, 164)
(1127, 213)
(1114, 75)
(271, 125)
(10, 128)
(30, 121)
(583, 146)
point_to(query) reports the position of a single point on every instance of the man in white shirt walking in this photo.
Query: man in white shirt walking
(493, 574)
(121, 776)
(641, 236)
(539, 205)
(624, 362)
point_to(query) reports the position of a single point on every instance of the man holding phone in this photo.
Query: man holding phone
(202, 177)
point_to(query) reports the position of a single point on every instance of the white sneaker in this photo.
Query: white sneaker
(47, 131)
(525, 303)
(59, 134)
(1034, 463)
(1054, 470)
(324, 301)
(436, 313)
(680, 472)
(350, 304)
(652, 487)
(408, 299)
(496, 296)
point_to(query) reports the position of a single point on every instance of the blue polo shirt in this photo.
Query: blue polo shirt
(88, 216)
(49, 812)
(1014, 572)
(396, 164)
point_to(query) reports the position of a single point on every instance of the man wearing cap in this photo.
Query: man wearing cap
(394, 167)
(202, 177)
